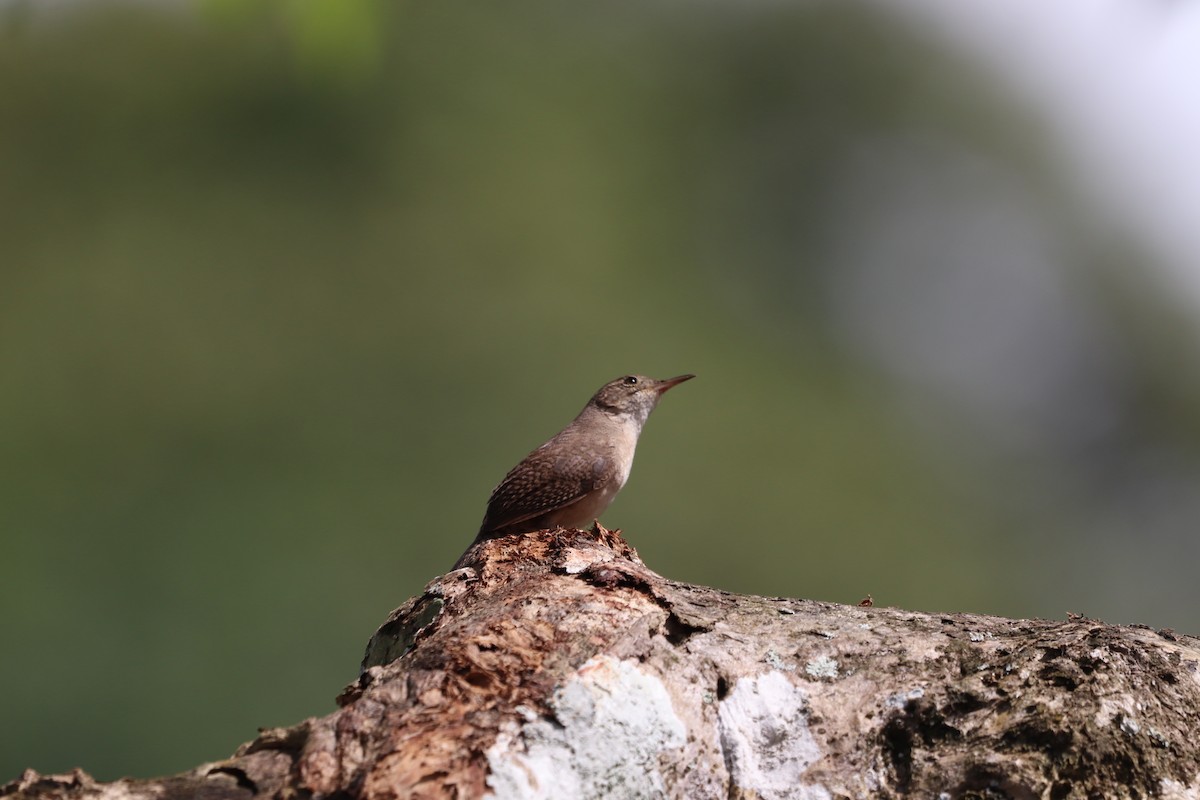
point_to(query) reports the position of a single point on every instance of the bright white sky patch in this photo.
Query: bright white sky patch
(1118, 82)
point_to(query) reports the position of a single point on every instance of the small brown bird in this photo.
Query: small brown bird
(572, 478)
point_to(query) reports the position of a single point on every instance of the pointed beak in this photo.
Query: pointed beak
(669, 382)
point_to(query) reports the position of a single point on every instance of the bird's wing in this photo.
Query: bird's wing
(539, 486)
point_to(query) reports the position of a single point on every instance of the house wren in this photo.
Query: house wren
(572, 478)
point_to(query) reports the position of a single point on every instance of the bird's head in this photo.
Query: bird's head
(634, 396)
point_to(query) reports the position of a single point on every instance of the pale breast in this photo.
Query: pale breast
(624, 443)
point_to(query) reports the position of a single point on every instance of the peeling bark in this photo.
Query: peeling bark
(556, 665)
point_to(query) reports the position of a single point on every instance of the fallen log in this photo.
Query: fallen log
(557, 665)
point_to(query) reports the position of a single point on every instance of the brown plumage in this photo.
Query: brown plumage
(572, 478)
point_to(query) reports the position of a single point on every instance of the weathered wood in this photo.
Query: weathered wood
(557, 665)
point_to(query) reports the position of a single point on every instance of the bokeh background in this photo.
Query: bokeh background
(285, 287)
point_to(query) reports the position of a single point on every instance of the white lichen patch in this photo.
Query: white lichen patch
(765, 736)
(902, 699)
(775, 661)
(1174, 790)
(1121, 709)
(822, 667)
(612, 721)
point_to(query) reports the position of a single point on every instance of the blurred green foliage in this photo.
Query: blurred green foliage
(285, 290)
(331, 40)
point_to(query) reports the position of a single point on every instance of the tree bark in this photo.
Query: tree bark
(557, 665)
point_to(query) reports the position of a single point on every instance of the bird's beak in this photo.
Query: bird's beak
(669, 382)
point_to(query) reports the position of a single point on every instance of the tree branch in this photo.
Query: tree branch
(557, 665)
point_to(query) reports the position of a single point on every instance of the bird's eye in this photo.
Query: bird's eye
(630, 380)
